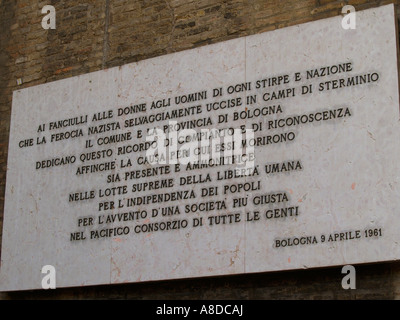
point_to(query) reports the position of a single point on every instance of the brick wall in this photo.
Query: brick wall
(97, 34)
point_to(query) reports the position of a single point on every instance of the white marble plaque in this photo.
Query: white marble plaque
(296, 137)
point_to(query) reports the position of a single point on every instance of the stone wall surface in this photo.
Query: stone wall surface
(95, 35)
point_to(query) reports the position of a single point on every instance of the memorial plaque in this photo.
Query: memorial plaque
(270, 152)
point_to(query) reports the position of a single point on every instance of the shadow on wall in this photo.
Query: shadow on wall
(373, 281)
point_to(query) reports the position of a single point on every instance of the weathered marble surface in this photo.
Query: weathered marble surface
(348, 182)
